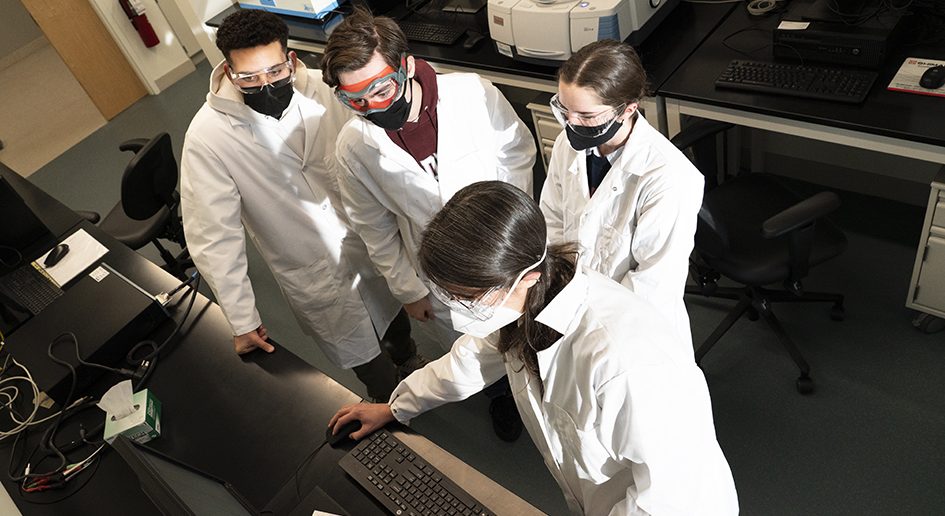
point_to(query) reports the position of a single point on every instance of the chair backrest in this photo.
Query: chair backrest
(150, 178)
(697, 143)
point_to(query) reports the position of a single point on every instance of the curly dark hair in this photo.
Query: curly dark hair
(249, 28)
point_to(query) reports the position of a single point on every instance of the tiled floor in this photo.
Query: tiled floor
(43, 111)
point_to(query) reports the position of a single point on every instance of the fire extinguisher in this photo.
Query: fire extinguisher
(134, 9)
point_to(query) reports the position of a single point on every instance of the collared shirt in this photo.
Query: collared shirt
(624, 423)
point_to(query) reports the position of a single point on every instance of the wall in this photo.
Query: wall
(17, 28)
(197, 12)
(158, 67)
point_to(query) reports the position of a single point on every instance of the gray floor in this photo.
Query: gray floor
(869, 441)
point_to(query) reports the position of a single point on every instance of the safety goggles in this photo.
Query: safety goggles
(484, 305)
(274, 76)
(375, 93)
(587, 125)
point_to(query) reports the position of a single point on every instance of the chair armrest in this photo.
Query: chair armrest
(801, 214)
(699, 131)
(133, 145)
(90, 216)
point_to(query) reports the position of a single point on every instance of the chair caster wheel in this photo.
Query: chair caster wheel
(837, 313)
(927, 323)
(804, 384)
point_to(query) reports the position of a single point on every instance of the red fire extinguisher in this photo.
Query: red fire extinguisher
(135, 11)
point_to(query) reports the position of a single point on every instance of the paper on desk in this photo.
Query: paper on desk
(907, 78)
(84, 250)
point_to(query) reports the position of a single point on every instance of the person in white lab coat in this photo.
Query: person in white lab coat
(420, 137)
(617, 186)
(620, 414)
(259, 155)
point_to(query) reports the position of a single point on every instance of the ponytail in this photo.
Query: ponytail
(524, 340)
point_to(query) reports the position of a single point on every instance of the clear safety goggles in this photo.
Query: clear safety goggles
(375, 93)
(483, 306)
(273, 76)
(587, 125)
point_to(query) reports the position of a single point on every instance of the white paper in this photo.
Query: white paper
(793, 25)
(84, 250)
(118, 401)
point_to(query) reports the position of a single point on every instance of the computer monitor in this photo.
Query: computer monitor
(19, 227)
(176, 488)
(464, 6)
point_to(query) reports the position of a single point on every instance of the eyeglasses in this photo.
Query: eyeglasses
(483, 306)
(589, 125)
(273, 76)
(375, 93)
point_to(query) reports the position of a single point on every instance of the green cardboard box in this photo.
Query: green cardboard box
(142, 425)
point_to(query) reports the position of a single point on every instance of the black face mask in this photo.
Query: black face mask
(581, 141)
(271, 101)
(394, 117)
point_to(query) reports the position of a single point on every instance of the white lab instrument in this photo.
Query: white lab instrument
(549, 32)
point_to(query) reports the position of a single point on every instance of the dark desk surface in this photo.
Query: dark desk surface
(662, 52)
(894, 114)
(249, 420)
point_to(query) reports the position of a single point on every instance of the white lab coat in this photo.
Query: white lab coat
(625, 422)
(390, 198)
(639, 226)
(278, 180)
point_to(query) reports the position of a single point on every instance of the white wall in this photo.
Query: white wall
(158, 66)
(197, 12)
(17, 28)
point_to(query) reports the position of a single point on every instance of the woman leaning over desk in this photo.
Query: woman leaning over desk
(619, 412)
(617, 186)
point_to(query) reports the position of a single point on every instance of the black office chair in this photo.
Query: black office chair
(754, 231)
(149, 207)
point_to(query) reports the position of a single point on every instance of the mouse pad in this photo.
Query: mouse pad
(907, 78)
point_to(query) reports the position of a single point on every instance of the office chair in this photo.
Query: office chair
(149, 207)
(756, 232)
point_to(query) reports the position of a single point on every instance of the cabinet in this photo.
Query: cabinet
(927, 289)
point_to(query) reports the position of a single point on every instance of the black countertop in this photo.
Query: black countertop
(894, 114)
(662, 53)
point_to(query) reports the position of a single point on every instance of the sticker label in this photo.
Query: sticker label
(793, 25)
(98, 274)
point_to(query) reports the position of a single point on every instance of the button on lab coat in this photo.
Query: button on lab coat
(624, 423)
(390, 198)
(241, 169)
(639, 226)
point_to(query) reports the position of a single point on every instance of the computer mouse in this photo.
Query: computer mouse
(933, 78)
(472, 39)
(343, 434)
(56, 254)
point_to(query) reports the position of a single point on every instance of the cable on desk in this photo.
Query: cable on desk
(298, 491)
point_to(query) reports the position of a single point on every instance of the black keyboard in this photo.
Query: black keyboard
(796, 80)
(404, 483)
(431, 32)
(29, 288)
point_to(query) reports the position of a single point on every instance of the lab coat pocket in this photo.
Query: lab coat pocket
(580, 446)
(315, 294)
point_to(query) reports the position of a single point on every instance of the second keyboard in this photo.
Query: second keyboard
(796, 80)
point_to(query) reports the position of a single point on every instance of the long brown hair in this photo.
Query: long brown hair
(610, 69)
(484, 237)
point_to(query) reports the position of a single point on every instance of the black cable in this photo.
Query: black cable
(88, 478)
(298, 491)
(14, 263)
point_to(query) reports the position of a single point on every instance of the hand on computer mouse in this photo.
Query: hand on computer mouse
(372, 416)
